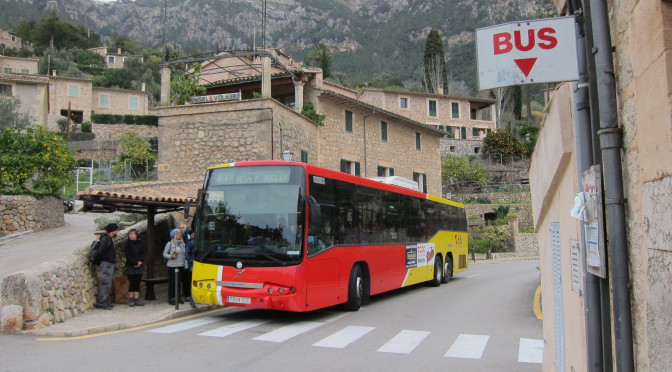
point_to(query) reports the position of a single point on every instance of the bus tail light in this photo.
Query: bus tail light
(270, 289)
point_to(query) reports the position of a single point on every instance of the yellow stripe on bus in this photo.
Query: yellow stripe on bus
(223, 165)
(444, 201)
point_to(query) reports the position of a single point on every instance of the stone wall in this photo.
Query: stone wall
(499, 197)
(54, 292)
(23, 213)
(523, 213)
(460, 147)
(108, 140)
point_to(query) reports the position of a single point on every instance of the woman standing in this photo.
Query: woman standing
(135, 258)
(174, 252)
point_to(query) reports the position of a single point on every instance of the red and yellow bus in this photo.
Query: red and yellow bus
(296, 237)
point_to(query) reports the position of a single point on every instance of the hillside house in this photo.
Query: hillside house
(48, 98)
(112, 60)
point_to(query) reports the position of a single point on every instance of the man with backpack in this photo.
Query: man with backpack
(108, 257)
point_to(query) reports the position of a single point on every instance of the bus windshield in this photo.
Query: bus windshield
(251, 216)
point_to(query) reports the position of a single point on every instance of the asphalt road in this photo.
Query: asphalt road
(481, 321)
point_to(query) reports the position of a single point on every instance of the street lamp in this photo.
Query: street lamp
(287, 154)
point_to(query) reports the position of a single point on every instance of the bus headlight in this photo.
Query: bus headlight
(270, 290)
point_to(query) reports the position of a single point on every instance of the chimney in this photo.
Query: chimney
(142, 87)
(53, 73)
(118, 50)
(439, 90)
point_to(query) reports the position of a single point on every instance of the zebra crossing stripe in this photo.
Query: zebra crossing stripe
(344, 337)
(233, 328)
(468, 346)
(404, 342)
(288, 331)
(185, 325)
(531, 351)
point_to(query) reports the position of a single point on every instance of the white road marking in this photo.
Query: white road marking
(471, 276)
(404, 342)
(344, 337)
(185, 325)
(288, 331)
(531, 351)
(233, 328)
(468, 346)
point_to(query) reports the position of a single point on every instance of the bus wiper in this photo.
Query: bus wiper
(209, 252)
(266, 255)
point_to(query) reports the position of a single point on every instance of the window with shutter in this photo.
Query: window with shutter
(348, 121)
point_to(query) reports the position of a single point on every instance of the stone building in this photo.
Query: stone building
(9, 40)
(48, 98)
(355, 137)
(633, 332)
(112, 60)
(464, 120)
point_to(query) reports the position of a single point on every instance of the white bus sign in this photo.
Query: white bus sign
(527, 52)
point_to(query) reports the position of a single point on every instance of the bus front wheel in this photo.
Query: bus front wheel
(447, 270)
(438, 273)
(355, 289)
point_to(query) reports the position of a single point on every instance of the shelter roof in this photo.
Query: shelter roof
(165, 196)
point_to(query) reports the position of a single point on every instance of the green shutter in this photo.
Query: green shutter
(383, 130)
(464, 133)
(489, 130)
(381, 171)
(456, 110)
(304, 156)
(424, 183)
(348, 121)
(357, 173)
(474, 132)
(416, 177)
(391, 171)
(344, 166)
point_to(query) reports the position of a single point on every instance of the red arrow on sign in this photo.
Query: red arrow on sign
(525, 64)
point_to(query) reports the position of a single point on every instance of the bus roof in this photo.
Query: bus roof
(369, 182)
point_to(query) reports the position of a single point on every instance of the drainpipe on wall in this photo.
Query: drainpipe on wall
(584, 159)
(611, 143)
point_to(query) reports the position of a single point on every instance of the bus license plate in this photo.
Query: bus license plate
(239, 300)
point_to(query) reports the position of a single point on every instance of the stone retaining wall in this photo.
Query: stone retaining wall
(53, 292)
(522, 211)
(23, 213)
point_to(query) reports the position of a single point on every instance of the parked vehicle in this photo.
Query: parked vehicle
(68, 205)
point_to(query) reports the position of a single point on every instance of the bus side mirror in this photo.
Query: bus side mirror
(315, 211)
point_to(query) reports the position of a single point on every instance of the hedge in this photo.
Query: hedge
(81, 136)
(125, 119)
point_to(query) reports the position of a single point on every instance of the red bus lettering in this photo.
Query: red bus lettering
(502, 43)
(519, 42)
(546, 35)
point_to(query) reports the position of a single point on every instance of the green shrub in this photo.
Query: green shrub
(86, 127)
(62, 123)
(483, 200)
(129, 119)
(81, 136)
(478, 245)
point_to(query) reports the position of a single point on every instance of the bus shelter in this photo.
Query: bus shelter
(150, 198)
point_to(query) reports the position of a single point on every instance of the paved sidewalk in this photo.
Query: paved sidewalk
(120, 317)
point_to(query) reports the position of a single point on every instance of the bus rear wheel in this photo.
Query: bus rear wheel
(355, 289)
(447, 270)
(438, 273)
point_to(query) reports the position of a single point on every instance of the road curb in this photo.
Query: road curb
(7, 238)
(116, 326)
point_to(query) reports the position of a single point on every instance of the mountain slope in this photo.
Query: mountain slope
(369, 38)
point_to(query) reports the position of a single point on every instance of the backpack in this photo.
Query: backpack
(95, 256)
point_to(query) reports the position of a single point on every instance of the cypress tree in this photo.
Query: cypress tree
(434, 63)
